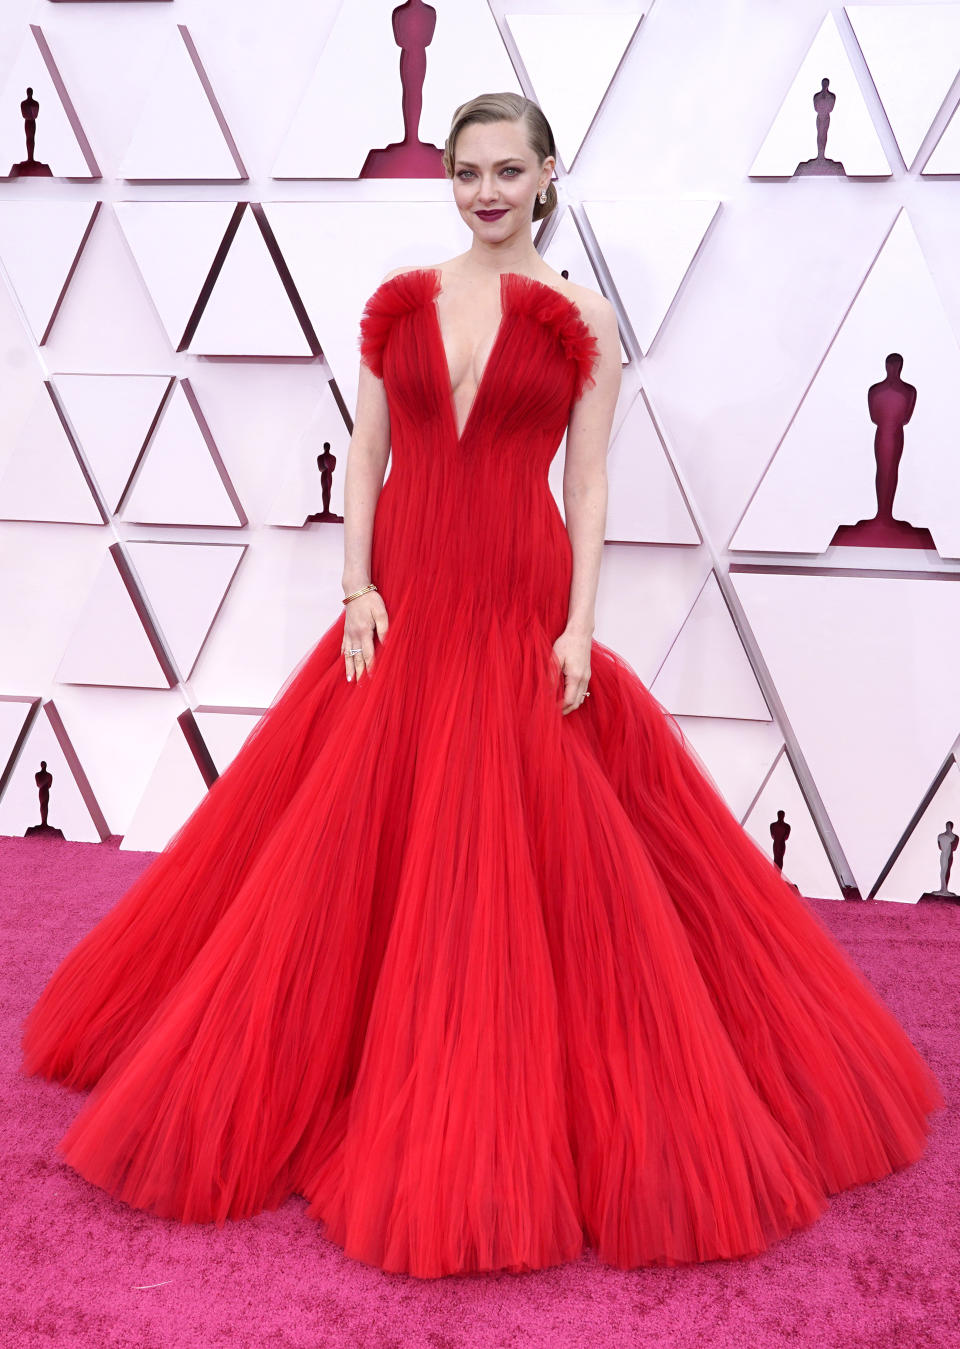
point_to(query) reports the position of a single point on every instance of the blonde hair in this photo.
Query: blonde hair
(507, 107)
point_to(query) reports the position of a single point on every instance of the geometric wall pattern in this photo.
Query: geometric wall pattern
(179, 307)
(830, 435)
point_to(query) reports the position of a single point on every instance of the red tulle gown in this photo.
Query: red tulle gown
(485, 983)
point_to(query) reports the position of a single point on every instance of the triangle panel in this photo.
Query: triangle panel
(648, 279)
(181, 135)
(61, 148)
(174, 245)
(707, 672)
(299, 493)
(40, 246)
(173, 792)
(181, 479)
(805, 861)
(249, 312)
(845, 653)
(917, 869)
(643, 598)
(71, 807)
(913, 54)
(572, 60)
(185, 585)
(42, 478)
(824, 472)
(852, 143)
(110, 643)
(111, 417)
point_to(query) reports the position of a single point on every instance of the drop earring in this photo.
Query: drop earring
(543, 195)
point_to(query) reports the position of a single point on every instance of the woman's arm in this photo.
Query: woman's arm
(585, 468)
(367, 456)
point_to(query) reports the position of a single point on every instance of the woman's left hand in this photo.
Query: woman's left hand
(572, 649)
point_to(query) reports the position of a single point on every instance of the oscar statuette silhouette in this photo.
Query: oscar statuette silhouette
(44, 781)
(326, 463)
(821, 167)
(30, 167)
(413, 27)
(780, 832)
(947, 843)
(890, 404)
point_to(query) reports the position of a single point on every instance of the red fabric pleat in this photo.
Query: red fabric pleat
(484, 982)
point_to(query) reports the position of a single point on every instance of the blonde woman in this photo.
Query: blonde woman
(463, 946)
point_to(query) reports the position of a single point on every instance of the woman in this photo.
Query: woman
(469, 954)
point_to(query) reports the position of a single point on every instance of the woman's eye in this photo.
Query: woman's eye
(468, 173)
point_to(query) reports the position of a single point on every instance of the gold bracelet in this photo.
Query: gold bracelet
(356, 593)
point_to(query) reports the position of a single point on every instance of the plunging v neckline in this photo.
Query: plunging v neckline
(460, 432)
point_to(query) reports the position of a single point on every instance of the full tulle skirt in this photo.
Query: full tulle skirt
(484, 983)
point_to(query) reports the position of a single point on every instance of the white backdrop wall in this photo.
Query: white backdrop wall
(179, 313)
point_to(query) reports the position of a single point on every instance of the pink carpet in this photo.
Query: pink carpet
(880, 1268)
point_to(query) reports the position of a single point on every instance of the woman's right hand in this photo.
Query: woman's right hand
(365, 615)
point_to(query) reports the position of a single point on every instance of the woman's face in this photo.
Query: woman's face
(496, 178)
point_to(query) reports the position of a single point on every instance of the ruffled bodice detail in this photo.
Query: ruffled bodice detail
(561, 320)
(398, 295)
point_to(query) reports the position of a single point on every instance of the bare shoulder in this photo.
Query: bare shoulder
(594, 308)
(401, 271)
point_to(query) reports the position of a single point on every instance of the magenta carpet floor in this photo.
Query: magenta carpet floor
(879, 1270)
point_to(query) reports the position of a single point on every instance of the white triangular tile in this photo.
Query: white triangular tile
(60, 141)
(117, 734)
(109, 644)
(917, 868)
(852, 138)
(180, 134)
(648, 277)
(864, 667)
(299, 486)
(643, 598)
(174, 244)
(945, 157)
(15, 712)
(111, 417)
(571, 60)
(707, 672)
(805, 860)
(42, 478)
(185, 585)
(646, 502)
(249, 311)
(913, 53)
(178, 481)
(173, 792)
(71, 807)
(40, 244)
(824, 472)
